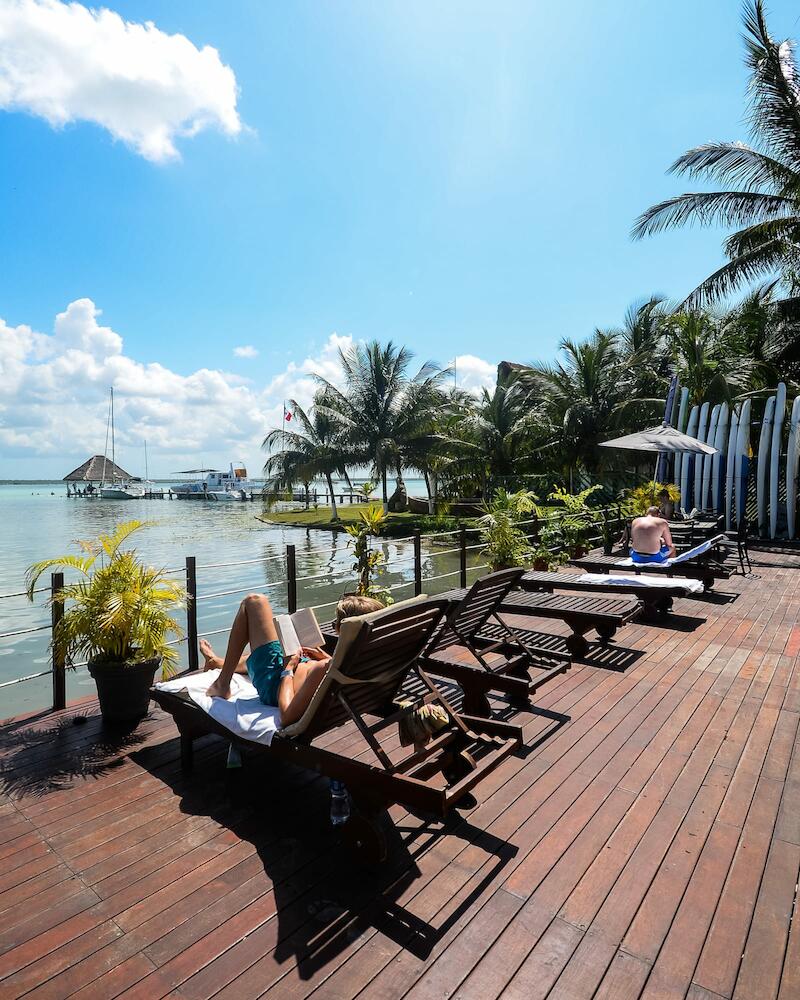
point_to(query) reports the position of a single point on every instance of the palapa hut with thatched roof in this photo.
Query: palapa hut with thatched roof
(97, 469)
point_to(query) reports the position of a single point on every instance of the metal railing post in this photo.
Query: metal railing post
(462, 556)
(291, 579)
(191, 612)
(59, 666)
(417, 562)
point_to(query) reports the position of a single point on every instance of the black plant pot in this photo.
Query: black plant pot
(123, 689)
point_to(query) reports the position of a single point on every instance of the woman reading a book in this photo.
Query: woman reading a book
(288, 683)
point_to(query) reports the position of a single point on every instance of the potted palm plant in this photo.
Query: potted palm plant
(505, 543)
(118, 615)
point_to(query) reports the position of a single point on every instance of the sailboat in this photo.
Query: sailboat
(131, 489)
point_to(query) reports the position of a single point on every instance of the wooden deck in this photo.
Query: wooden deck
(646, 844)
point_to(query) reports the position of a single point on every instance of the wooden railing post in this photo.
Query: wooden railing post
(417, 562)
(59, 666)
(291, 579)
(191, 612)
(462, 556)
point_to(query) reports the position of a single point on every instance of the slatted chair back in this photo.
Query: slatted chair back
(373, 655)
(481, 601)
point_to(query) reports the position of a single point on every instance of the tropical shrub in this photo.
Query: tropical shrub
(120, 610)
(369, 562)
(574, 522)
(647, 494)
(505, 544)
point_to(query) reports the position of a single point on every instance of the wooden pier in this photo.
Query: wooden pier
(645, 844)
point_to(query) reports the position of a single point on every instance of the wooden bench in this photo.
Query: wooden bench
(581, 613)
(655, 601)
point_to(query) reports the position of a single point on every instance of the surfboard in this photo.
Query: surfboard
(743, 456)
(708, 460)
(775, 457)
(764, 443)
(718, 465)
(702, 430)
(681, 425)
(792, 462)
(688, 464)
(730, 470)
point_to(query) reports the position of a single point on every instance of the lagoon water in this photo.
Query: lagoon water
(38, 521)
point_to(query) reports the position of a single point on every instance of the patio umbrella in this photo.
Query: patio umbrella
(663, 439)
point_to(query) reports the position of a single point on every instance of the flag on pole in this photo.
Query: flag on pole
(287, 416)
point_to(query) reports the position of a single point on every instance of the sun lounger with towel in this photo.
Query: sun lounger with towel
(703, 562)
(654, 592)
(373, 657)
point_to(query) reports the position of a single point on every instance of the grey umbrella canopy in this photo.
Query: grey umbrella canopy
(663, 439)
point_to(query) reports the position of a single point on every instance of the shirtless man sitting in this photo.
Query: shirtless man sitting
(651, 541)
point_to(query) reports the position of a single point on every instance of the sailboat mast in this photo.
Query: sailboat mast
(113, 454)
(146, 474)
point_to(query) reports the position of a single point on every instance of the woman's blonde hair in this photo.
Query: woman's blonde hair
(354, 604)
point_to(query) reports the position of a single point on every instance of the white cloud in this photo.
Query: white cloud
(65, 63)
(474, 374)
(245, 351)
(54, 400)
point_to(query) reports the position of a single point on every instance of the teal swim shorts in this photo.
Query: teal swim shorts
(264, 665)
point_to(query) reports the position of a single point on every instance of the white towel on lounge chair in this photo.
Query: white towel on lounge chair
(698, 550)
(654, 582)
(243, 713)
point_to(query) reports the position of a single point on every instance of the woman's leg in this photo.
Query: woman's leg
(294, 698)
(253, 624)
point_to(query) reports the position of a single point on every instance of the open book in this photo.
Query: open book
(297, 630)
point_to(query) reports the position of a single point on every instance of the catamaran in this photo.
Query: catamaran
(216, 485)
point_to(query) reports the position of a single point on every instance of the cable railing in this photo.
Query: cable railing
(599, 523)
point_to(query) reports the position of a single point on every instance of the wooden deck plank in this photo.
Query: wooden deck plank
(648, 847)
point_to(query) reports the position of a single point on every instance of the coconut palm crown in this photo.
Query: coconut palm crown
(762, 201)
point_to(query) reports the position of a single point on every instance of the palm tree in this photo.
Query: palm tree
(382, 410)
(314, 449)
(764, 193)
(581, 397)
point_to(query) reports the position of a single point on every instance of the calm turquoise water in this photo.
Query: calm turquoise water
(38, 521)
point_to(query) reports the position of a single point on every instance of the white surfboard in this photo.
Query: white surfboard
(702, 430)
(718, 465)
(792, 462)
(681, 426)
(708, 460)
(775, 457)
(743, 456)
(730, 470)
(764, 445)
(688, 464)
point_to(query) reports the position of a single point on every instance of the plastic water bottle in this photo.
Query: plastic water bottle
(234, 756)
(340, 803)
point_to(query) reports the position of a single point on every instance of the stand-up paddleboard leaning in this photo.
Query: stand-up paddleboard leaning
(702, 431)
(775, 457)
(718, 461)
(679, 458)
(792, 461)
(730, 470)
(762, 467)
(743, 456)
(708, 460)
(688, 463)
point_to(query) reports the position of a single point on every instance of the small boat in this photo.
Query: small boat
(216, 485)
(134, 489)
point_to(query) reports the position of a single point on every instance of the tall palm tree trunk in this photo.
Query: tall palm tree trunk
(334, 512)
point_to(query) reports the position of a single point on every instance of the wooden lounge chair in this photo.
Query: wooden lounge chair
(474, 614)
(372, 659)
(582, 613)
(705, 566)
(655, 601)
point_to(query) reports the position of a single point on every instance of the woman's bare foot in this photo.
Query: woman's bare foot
(212, 661)
(217, 690)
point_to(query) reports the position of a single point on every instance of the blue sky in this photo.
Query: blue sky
(461, 177)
